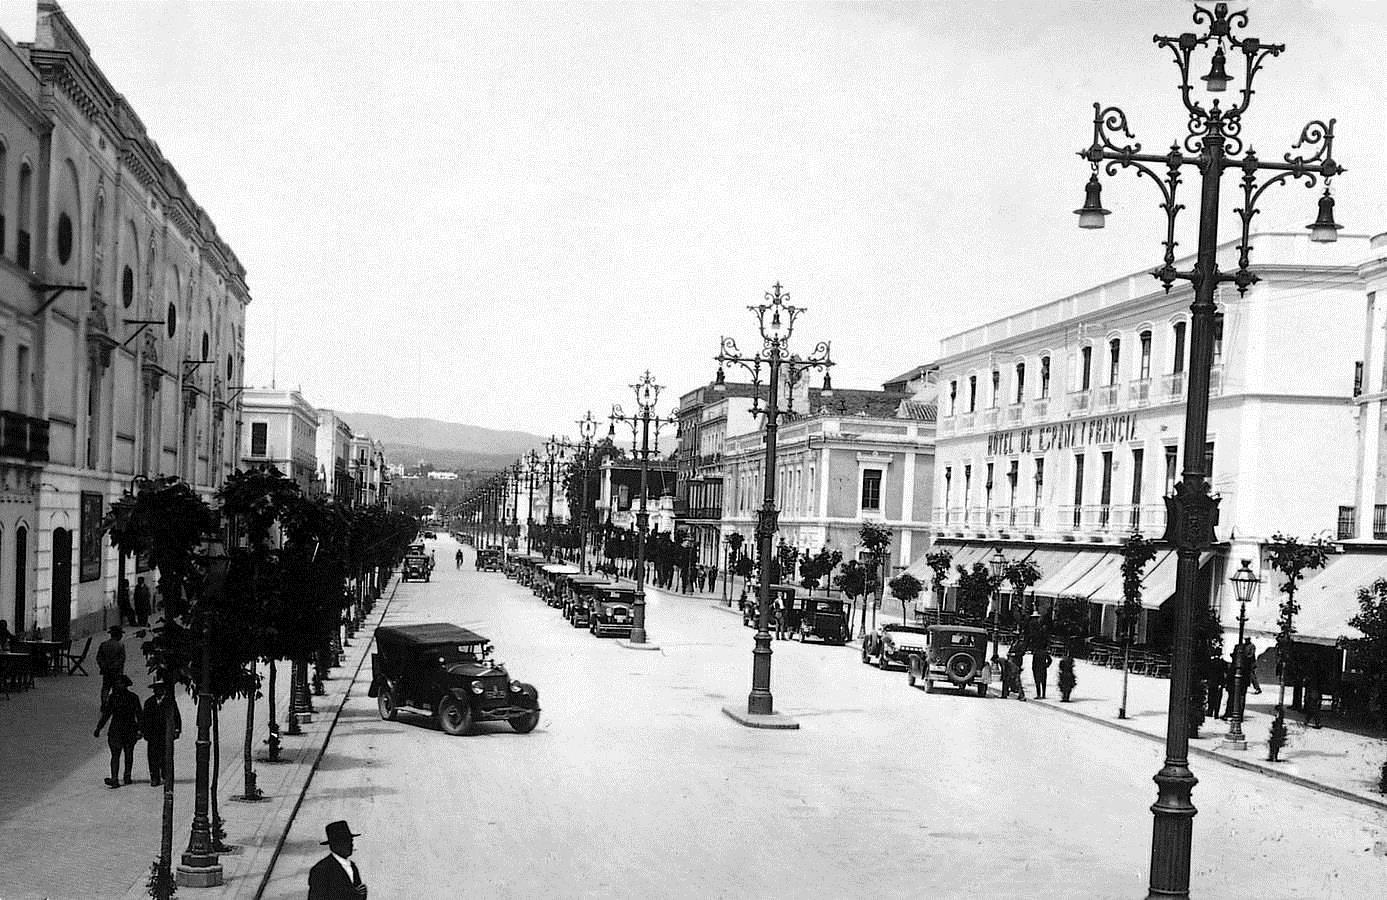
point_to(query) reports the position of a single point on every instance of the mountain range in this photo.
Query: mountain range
(445, 445)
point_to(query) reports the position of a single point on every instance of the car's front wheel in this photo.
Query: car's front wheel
(866, 657)
(526, 723)
(385, 703)
(454, 716)
(883, 662)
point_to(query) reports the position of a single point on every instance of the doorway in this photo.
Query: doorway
(62, 584)
(21, 572)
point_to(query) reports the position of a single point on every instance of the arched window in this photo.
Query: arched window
(23, 237)
(127, 287)
(4, 170)
(206, 346)
(172, 320)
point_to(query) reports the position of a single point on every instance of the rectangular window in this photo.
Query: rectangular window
(259, 438)
(1085, 368)
(996, 386)
(948, 482)
(988, 487)
(93, 416)
(21, 381)
(1218, 337)
(1105, 489)
(1012, 473)
(1020, 382)
(953, 397)
(1114, 359)
(1039, 480)
(1179, 365)
(1138, 458)
(967, 486)
(972, 393)
(1044, 376)
(871, 489)
(1209, 461)
(89, 542)
(1171, 469)
(1078, 487)
(1145, 372)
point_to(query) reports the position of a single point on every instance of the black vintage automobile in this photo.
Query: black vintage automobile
(823, 618)
(781, 595)
(953, 653)
(488, 559)
(893, 644)
(415, 568)
(449, 673)
(575, 597)
(611, 610)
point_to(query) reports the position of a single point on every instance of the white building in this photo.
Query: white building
(1060, 426)
(280, 429)
(334, 445)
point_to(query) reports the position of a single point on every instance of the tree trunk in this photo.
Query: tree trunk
(251, 791)
(164, 877)
(218, 832)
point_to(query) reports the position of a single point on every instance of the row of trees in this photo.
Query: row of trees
(271, 575)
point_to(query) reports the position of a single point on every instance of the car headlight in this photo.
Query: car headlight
(477, 687)
(515, 687)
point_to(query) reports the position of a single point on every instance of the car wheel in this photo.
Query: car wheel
(385, 703)
(454, 716)
(961, 668)
(526, 723)
(929, 687)
(882, 662)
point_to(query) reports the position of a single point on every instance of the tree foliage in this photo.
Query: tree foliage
(1292, 557)
(905, 588)
(1370, 650)
(939, 562)
(1137, 553)
(976, 587)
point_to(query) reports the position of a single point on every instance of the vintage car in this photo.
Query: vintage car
(575, 595)
(892, 645)
(549, 578)
(488, 559)
(415, 568)
(953, 653)
(612, 610)
(449, 673)
(823, 618)
(780, 594)
(430, 536)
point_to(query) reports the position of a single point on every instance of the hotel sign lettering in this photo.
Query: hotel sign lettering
(1063, 435)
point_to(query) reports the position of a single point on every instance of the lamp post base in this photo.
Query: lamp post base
(1233, 743)
(633, 644)
(198, 876)
(772, 721)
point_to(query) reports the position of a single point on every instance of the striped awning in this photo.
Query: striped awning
(1329, 598)
(1059, 582)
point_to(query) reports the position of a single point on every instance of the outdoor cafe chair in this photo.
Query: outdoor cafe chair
(75, 660)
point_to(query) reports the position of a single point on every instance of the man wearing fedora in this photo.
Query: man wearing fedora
(110, 660)
(335, 876)
(153, 722)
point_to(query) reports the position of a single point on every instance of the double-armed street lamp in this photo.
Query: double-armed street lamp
(1245, 584)
(515, 470)
(532, 470)
(587, 428)
(775, 320)
(647, 395)
(555, 451)
(1213, 145)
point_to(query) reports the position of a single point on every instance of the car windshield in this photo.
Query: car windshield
(906, 629)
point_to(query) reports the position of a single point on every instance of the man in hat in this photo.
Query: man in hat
(141, 601)
(335, 876)
(110, 661)
(153, 721)
(122, 710)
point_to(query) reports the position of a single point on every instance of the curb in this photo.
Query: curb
(322, 748)
(1226, 759)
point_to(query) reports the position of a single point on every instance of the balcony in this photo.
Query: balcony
(1173, 385)
(948, 426)
(23, 437)
(705, 512)
(1140, 392)
(1106, 397)
(1348, 523)
(1380, 522)
(1040, 407)
(1080, 401)
(1015, 413)
(989, 417)
(965, 422)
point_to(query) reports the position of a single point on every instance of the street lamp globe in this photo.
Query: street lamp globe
(997, 562)
(1245, 582)
(1324, 230)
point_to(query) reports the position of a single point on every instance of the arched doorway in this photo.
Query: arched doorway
(62, 584)
(21, 579)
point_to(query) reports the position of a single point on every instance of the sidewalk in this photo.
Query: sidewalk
(65, 834)
(1327, 759)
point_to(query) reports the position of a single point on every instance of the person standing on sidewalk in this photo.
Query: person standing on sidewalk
(110, 661)
(153, 720)
(335, 876)
(122, 710)
(127, 611)
(141, 601)
(1216, 675)
(1040, 670)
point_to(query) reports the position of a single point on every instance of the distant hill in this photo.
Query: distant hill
(447, 445)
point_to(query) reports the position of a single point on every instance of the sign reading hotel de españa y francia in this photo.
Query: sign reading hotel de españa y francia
(1100, 430)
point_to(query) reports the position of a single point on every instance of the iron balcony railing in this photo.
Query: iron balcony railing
(1348, 523)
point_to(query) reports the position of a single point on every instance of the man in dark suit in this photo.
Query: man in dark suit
(335, 876)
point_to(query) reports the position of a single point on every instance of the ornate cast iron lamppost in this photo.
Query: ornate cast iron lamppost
(532, 469)
(998, 564)
(775, 320)
(1213, 145)
(1245, 587)
(647, 395)
(515, 470)
(587, 427)
(554, 450)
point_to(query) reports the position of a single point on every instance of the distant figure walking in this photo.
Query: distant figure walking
(1040, 670)
(122, 710)
(335, 876)
(141, 601)
(110, 661)
(457, 558)
(153, 720)
(127, 611)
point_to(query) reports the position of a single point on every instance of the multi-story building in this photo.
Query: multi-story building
(121, 329)
(1061, 426)
(846, 459)
(706, 416)
(334, 447)
(368, 471)
(619, 498)
(280, 428)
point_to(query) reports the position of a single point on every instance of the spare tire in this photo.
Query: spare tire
(961, 668)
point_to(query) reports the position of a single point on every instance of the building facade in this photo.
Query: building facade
(334, 446)
(121, 330)
(368, 471)
(280, 428)
(1061, 426)
(706, 416)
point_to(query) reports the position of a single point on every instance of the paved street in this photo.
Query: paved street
(636, 785)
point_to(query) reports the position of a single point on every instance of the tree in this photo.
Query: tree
(975, 590)
(1370, 650)
(905, 588)
(1292, 558)
(1020, 574)
(1206, 643)
(852, 581)
(817, 569)
(876, 540)
(1137, 553)
(939, 562)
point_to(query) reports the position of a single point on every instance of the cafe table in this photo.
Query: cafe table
(47, 655)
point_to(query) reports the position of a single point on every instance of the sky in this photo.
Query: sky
(502, 214)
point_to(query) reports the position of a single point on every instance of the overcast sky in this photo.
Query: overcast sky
(502, 214)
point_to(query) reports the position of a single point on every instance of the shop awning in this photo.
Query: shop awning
(1329, 598)
(1058, 581)
(1159, 583)
(1102, 583)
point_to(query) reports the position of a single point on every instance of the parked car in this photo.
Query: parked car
(416, 568)
(780, 595)
(575, 595)
(611, 610)
(823, 618)
(893, 645)
(488, 559)
(447, 672)
(953, 653)
(430, 536)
